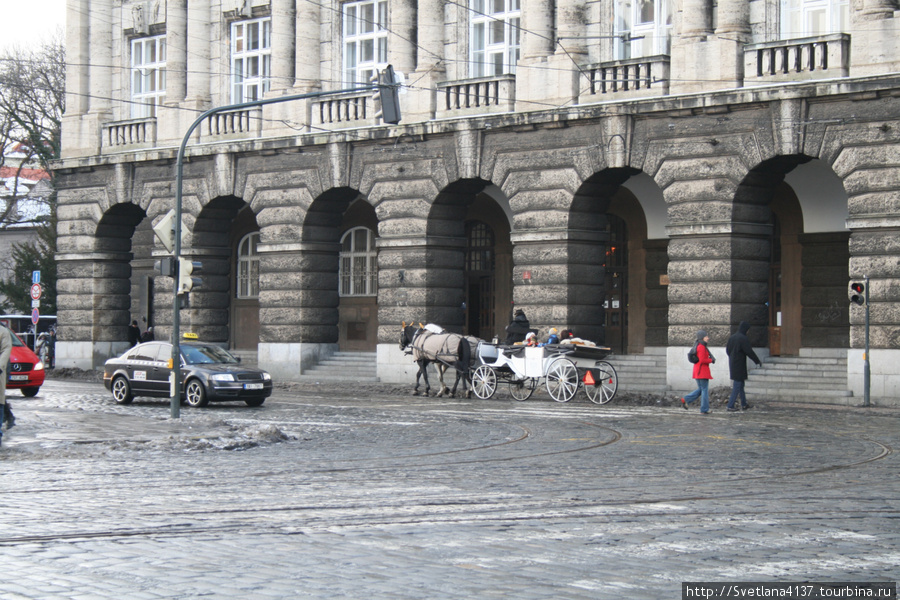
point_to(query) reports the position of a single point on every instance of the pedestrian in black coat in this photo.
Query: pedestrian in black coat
(518, 328)
(739, 350)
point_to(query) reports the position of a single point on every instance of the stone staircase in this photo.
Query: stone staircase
(641, 373)
(343, 367)
(814, 376)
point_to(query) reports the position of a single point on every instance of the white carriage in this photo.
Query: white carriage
(564, 368)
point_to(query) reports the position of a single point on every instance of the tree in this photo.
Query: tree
(32, 102)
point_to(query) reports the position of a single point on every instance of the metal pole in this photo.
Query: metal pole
(866, 371)
(175, 403)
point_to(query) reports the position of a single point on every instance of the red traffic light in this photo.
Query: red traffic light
(858, 293)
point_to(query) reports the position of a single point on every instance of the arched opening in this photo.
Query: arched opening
(125, 274)
(358, 291)
(622, 297)
(221, 232)
(792, 210)
(470, 290)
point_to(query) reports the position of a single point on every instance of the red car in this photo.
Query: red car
(26, 371)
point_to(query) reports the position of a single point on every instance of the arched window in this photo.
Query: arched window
(248, 267)
(359, 266)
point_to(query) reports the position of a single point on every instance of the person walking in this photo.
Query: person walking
(5, 352)
(701, 374)
(134, 334)
(739, 350)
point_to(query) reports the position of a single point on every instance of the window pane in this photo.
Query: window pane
(647, 12)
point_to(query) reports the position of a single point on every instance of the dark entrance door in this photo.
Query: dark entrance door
(615, 303)
(480, 277)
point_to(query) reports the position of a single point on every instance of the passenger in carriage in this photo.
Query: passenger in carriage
(518, 328)
(553, 338)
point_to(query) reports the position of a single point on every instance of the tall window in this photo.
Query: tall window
(643, 28)
(359, 266)
(365, 39)
(805, 18)
(248, 267)
(495, 37)
(148, 75)
(251, 59)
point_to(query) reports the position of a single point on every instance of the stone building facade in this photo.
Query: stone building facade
(633, 170)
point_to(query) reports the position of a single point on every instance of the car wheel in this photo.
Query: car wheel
(121, 391)
(30, 392)
(195, 394)
(255, 401)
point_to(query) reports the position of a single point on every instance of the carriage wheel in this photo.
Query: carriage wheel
(562, 380)
(522, 389)
(606, 382)
(484, 382)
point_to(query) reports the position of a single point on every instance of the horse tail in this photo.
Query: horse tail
(464, 352)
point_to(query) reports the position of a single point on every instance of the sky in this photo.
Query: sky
(26, 22)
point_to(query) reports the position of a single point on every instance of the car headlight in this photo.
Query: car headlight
(266, 376)
(222, 377)
(39, 366)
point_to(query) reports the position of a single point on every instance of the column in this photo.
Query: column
(78, 47)
(307, 55)
(734, 18)
(430, 19)
(401, 49)
(696, 18)
(537, 28)
(571, 28)
(878, 9)
(176, 51)
(198, 58)
(283, 40)
(100, 55)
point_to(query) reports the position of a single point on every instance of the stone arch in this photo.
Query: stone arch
(473, 297)
(319, 315)
(218, 228)
(123, 266)
(790, 255)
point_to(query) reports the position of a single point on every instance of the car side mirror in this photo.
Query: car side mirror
(238, 358)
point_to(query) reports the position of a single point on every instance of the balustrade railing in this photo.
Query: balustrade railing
(822, 57)
(635, 77)
(125, 135)
(476, 96)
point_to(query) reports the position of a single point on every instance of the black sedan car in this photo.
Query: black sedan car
(208, 372)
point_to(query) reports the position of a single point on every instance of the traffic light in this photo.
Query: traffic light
(858, 293)
(186, 274)
(386, 96)
(165, 266)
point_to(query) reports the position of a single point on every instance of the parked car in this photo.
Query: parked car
(208, 373)
(26, 371)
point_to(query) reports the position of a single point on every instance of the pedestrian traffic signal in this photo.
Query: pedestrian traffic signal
(187, 278)
(165, 266)
(858, 293)
(386, 95)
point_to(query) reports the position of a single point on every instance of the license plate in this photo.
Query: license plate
(253, 386)
(24, 378)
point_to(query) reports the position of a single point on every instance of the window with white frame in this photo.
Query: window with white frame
(148, 75)
(251, 59)
(248, 267)
(495, 37)
(365, 39)
(359, 263)
(642, 28)
(806, 18)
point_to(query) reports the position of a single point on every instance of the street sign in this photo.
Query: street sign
(35, 291)
(35, 277)
(35, 303)
(35, 317)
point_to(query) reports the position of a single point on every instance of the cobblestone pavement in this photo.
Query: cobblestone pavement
(373, 494)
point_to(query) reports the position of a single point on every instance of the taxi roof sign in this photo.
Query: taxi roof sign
(190, 336)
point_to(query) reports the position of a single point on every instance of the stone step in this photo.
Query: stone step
(358, 367)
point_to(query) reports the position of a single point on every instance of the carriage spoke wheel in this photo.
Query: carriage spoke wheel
(562, 380)
(605, 384)
(484, 382)
(522, 389)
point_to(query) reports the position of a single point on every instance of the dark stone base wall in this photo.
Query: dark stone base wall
(825, 277)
